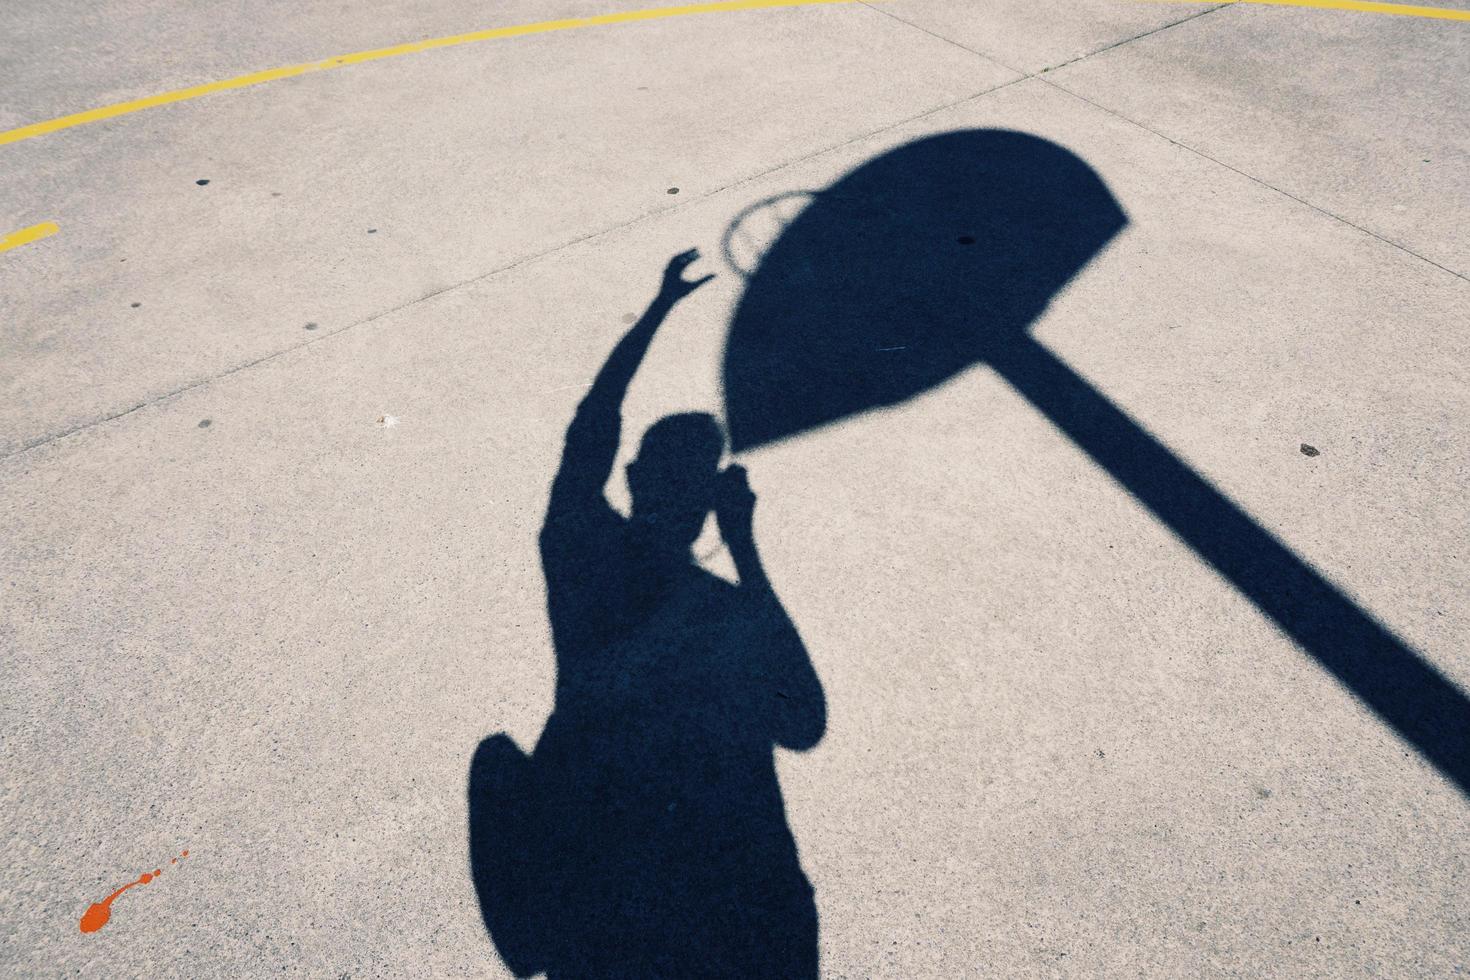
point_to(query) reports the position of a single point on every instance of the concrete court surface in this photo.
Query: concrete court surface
(244, 616)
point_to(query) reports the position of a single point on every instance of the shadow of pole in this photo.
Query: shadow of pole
(1409, 694)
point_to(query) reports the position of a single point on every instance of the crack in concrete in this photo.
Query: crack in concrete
(1256, 180)
(45, 440)
(1071, 61)
(1022, 76)
(1039, 76)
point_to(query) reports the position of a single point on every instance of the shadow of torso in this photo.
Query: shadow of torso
(647, 835)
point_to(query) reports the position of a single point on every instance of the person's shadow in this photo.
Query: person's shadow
(646, 835)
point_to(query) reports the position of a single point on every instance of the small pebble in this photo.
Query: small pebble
(1310, 450)
(372, 231)
(205, 423)
(202, 181)
(136, 305)
(673, 190)
(311, 326)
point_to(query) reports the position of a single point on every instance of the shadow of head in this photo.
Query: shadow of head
(674, 476)
(906, 271)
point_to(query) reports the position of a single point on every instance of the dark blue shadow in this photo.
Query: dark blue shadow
(940, 255)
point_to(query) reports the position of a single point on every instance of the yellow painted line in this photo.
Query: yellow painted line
(1365, 6)
(27, 235)
(342, 61)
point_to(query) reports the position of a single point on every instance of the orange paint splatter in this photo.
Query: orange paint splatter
(98, 913)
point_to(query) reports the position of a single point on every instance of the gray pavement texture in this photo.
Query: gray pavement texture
(1058, 741)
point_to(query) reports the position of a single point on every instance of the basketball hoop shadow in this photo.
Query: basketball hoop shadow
(939, 256)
